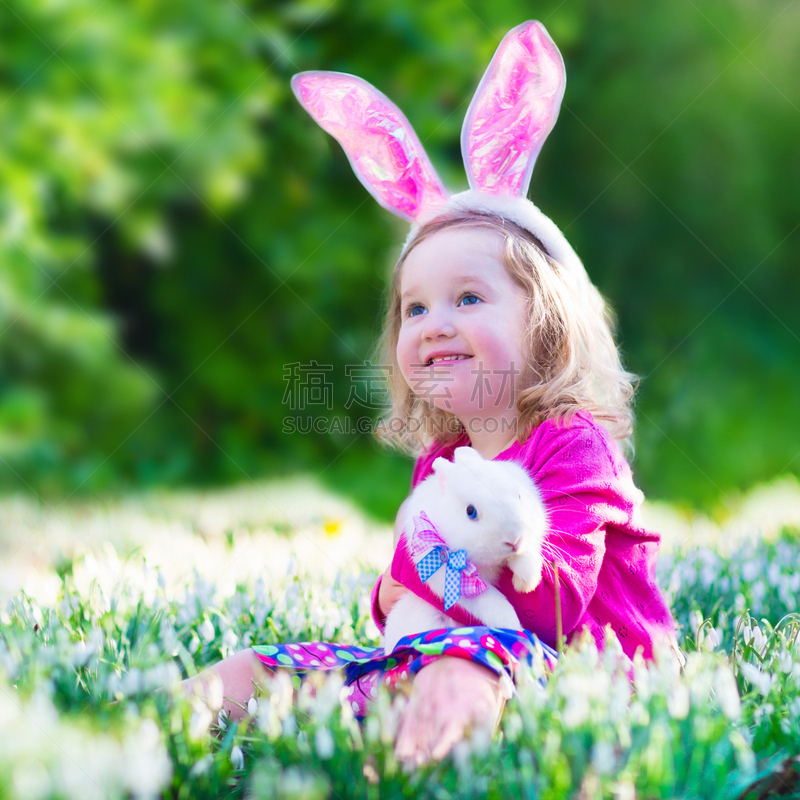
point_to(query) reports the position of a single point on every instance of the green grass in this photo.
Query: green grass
(85, 715)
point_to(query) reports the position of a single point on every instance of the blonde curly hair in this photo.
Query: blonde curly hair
(572, 360)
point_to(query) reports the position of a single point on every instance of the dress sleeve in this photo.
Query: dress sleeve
(586, 486)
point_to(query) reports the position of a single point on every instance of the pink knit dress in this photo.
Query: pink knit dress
(606, 557)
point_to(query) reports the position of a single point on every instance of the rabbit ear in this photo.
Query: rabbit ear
(514, 108)
(466, 454)
(383, 149)
(441, 466)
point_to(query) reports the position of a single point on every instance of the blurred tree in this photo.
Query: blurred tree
(176, 231)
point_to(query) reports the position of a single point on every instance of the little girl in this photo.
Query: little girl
(496, 339)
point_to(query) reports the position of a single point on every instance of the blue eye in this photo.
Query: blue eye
(468, 297)
(411, 311)
(472, 512)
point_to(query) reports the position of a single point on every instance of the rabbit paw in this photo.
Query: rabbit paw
(527, 570)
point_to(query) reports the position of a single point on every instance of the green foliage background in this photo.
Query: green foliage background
(175, 229)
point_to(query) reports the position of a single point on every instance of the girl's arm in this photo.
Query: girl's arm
(385, 593)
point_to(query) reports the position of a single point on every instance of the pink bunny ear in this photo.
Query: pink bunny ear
(514, 108)
(383, 149)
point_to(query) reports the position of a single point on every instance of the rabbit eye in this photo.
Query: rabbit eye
(472, 512)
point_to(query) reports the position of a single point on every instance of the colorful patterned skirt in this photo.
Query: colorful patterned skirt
(499, 649)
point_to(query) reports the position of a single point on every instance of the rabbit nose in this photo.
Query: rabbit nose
(515, 546)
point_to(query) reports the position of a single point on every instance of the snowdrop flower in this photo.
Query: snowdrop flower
(206, 631)
(695, 620)
(576, 710)
(626, 790)
(165, 674)
(237, 757)
(32, 782)
(323, 743)
(785, 661)
(603, 758)
(145, 764)
(750, 570)
(747, 634)
(214, 691)
(710, 638)
(774, 573)
(480, 740)
(327, 696)
(727, 693)
(230, 640)
(296, 619)
(168, 636)
(252, 706)
(81, 654)
(296, 784)
(462, 758)
(201, 719)
(281, 693)
(678, 701)
(66, 607)
(201, 766)
(708, 576)
(760, 680)
(132, 682)
(194, 644)
(187, 611)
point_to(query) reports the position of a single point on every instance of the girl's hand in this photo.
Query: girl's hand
(389, 592)
(449, 697)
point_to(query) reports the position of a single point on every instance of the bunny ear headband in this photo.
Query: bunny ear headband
(511, 114)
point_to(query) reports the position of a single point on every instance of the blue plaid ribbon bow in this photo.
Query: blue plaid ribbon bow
(458, 568)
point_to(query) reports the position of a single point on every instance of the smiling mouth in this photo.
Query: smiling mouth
(439, 359)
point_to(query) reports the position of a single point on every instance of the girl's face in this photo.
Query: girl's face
(463, 318)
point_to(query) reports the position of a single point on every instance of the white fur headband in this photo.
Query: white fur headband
(510, 116)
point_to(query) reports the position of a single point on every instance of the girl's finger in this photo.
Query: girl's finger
(417, 732)
(452, 733)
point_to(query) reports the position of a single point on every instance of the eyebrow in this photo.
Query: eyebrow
(465, 279)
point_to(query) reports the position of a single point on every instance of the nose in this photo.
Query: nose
(515, 546)
(438, 324)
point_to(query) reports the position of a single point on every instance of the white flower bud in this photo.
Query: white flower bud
(237, 757)
(678, 701)
(323, 743)
(206, 631)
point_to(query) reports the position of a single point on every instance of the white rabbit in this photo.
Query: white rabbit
(489, 509)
